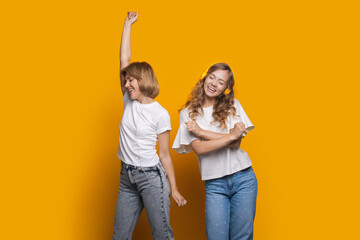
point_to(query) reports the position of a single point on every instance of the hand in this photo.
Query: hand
(238, 130)
(178, 198)
(131, 17)
(234, 144)
(193, 127)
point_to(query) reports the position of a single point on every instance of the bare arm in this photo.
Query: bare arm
(204, 147)
(125, 46)
(165, 158)
(193, 127)
(235, 144)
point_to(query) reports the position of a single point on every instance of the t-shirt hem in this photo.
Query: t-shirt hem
(214, 176)
(121, 158)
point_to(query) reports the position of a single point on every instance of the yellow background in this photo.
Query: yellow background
(296, 66)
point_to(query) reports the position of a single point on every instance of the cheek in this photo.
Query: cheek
(135, 85)
(207, 81)
(222, 87)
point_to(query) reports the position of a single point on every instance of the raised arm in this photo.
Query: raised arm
(125, 46)
(165, 158)
(204, 147)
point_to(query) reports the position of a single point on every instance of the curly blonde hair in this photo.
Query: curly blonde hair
(224, 105)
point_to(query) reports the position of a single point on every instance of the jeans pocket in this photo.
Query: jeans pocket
(161, 168)
(153, 177)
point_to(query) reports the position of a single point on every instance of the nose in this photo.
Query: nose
(127, 84)
(213, 83)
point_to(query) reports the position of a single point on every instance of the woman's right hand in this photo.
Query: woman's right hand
(238, 130)
(131, 18)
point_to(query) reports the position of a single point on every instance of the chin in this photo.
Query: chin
(132, 97)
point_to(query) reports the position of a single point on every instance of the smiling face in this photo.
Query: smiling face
(216, 83)
(132, 86)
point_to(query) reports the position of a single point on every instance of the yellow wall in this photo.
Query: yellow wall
(296, 69)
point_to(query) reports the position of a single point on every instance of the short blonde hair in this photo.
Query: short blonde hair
(145, 75)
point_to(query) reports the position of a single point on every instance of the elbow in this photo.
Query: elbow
(199, 153)
(198, 147)
(198, 150)
(164, 158)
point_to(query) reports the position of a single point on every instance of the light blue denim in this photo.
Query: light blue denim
(230, 206)
(143, 187)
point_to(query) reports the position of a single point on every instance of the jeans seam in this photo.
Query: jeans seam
(163, 205)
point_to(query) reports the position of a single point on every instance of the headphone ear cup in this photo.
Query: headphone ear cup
(227, 91)
(203, 75)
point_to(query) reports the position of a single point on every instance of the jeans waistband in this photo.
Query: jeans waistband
(132, 167)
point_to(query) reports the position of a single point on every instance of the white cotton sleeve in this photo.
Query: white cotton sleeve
(183, 137)
(163, 123)
(241, 117)
(126, 97)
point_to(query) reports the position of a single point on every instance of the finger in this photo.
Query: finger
(176, 200)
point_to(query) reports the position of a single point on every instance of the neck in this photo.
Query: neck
(145, 100)
(209, 101)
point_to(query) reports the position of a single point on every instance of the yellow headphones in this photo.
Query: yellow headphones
(205, 72)
(226, 92)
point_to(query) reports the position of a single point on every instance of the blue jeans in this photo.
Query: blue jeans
(143, 187)
(230, 205)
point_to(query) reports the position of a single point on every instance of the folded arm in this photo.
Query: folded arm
(220, 140)
(207, 135)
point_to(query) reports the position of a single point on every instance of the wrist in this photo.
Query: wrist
(127, 24)
(173, 189)
(200, 133)
(232, 138)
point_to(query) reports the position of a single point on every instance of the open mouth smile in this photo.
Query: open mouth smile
(212, 90)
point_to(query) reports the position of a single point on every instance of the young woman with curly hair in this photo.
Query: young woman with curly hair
(147, 179)
(213, 124)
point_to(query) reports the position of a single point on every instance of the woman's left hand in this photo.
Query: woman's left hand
(178, 198)
(193, 127)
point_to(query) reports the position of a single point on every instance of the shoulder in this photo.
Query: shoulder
(184, 113)
(160, 110)
(237, 104)
(126, 97)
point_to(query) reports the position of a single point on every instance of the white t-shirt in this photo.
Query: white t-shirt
(139, 127)
(218, 163)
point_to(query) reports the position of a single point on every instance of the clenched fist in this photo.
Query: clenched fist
(193, 127)
(238, 130)
(131, 17)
